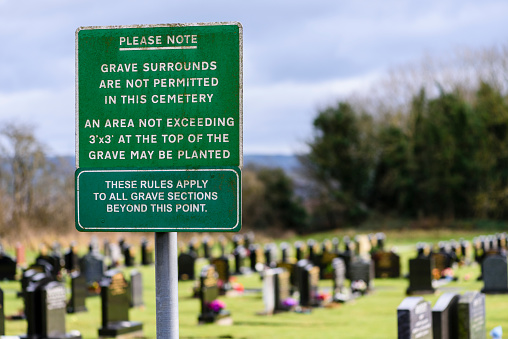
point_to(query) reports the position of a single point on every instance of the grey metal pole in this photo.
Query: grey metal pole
(166, 284)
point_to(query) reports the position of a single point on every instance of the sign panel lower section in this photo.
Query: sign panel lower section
(172, 200)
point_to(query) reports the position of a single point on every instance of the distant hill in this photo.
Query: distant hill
(288, 163)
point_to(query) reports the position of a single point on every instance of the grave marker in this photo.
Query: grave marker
(115, 306)
(444, 317)
(414, 319)
(471, 316)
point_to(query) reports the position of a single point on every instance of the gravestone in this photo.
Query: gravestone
(284, 251)
(186, 266)
(360, 270)
(324, 261)
(282, 290)
(471, 316)
(147, 253)
(45, 309)
(444, 317)
(290, 268)
(7, 267)
(255, 256)
(420, 276)
(79, 289)
(222, 268)
(312, 248)
(495, 275)
(128, 254)
(276, 290)
(2, 313)
(206, 245)
(239, 254)
(115, 255)
(269, 290)
(115, 306)
(414, 319)
(386, 264)
(270, 252)
(136, 289)
(308, 280)
(20, 254)
(299, 248)
(71, 259)
(208, 294)
(92, 267)
(340, 293)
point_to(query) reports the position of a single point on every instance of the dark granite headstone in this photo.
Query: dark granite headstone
(128, 254)
(239, 253)
(222, 268)
(205, 244)
(208, 293)
(444, 317)
(45, 309)
(186, 266)
(360, 270)
(255, 256)
(71, 259)
(147, 253)
(79, 293)
(420, 276)
(471, 316)
(386, 264)
(136, 289)
(308, 280)
(115, 306)
(414, 319)
(495, 274)
(7, 267)
(299, 248)
(92, 266)
(2, 313)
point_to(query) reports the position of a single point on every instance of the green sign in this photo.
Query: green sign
(159, 128)
(158, 200)
(159, 96)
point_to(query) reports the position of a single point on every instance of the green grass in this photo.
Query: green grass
(372, 316)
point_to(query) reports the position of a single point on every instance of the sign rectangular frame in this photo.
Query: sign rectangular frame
(167, 187)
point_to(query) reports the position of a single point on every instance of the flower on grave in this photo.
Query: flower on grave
(448, 273)
(289, 302)
(359, 286)
(217, 305)
(237, 287)
(322, 296)
(436, 274)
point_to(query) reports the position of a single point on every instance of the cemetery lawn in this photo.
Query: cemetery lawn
(372, 316)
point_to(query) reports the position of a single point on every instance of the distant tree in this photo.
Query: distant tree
(34, 189)
(269, 200)
(340, 163)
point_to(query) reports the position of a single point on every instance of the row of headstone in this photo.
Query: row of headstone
(453, 316)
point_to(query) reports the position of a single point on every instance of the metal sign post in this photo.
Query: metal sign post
(166, 284)
(159, 138)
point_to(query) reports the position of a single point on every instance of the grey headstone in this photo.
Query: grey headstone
(414, 319)
(444, 316)
(471, 316)
(495, 274)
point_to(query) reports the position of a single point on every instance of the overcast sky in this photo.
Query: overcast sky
(298, 55)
